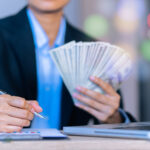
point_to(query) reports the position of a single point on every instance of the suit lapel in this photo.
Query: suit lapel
(25, 52)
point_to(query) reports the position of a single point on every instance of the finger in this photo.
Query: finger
(35, 106)
(19, 113)
(105, 86)
(94, 95)
(10, 129)
(92, 103)
(16, 121)
(20, 103)
(5, 97)
(104, 99)
(99, 115)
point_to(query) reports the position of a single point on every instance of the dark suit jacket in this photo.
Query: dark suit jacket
(18, 65)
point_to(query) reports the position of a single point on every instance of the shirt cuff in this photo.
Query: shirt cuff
(124, 115)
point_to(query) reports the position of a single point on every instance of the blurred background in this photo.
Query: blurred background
(125, 23)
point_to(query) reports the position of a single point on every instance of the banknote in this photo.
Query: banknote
(77, 61)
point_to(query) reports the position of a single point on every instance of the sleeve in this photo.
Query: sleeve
(9, 76)
(124, 116)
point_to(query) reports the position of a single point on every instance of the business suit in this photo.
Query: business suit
(18, 65)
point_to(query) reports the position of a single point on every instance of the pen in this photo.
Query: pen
(35, 113)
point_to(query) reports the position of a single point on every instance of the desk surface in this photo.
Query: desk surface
(78, 143)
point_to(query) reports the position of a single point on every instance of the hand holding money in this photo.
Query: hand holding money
(109, 66)
(103, 107)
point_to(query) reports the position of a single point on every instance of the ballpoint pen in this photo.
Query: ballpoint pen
(35, 113)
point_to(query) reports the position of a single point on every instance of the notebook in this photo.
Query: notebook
(33, 134)
(140, 130)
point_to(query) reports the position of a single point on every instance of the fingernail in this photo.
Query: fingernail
(40, 109)
(32, 110)
(75, 95)
(77, 104)
(79, 88)
(92, 78)
(37, 108)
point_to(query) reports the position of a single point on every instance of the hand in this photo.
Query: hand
(103, 107)
(16, 113)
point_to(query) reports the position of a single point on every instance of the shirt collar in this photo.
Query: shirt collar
(40, 37)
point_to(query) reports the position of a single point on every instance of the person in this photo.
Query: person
(28, 72)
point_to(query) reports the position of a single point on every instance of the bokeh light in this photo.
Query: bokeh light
(96, 26)
(127, 16)
(145, 49)
(125, 26)
(128, 48)
(148, 20)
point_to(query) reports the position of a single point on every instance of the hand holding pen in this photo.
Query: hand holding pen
(16, 112)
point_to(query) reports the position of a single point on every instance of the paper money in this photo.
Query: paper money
(78, 61)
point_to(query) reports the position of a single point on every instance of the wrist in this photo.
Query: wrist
(115, 118)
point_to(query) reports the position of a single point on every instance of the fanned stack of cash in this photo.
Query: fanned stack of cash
(78, 61)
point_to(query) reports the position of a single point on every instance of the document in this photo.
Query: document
(33, 134)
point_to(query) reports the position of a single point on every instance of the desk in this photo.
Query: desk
(78, 143)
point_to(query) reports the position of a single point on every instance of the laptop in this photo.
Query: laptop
(140, 130)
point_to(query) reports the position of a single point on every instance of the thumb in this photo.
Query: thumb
(36, 106)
